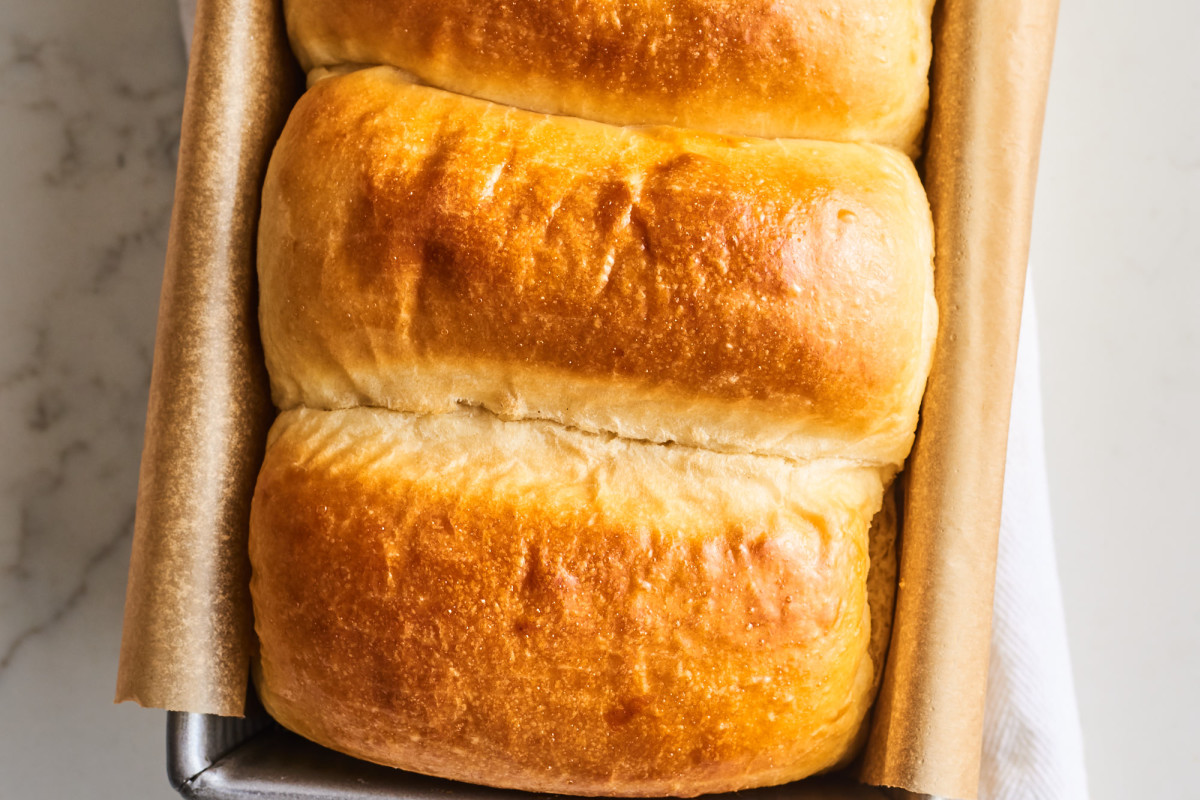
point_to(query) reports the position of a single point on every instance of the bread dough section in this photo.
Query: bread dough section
(419, 250)
(523, 605)
(842, 70)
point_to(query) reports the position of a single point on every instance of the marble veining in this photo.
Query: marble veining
(90, 103)
(78, 316)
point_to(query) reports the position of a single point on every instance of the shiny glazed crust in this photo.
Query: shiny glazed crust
(664, 285)
(523, 605)
(843, 70)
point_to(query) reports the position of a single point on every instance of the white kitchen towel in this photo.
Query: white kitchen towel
(1032, 742)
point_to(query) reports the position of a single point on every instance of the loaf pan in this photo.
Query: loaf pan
(188, 634)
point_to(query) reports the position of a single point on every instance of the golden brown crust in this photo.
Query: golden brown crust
(419, 249)
(522, 605)
(844, 70)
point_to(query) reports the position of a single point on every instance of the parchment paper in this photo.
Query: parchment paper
(990, 77)
(186, 638)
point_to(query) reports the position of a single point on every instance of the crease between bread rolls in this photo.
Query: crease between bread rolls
(739, 295)
(840, 70)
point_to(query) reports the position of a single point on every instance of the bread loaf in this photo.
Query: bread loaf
(667, 285)
(580, 481)
(842, 70)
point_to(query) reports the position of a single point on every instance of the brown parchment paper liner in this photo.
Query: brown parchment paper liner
(187, 634)
(990, 77)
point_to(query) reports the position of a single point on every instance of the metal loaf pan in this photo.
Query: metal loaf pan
(989, 92)
(227, 758)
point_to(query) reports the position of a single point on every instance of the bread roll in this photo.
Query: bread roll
(843, 70)
(522, 605)
(420, 250)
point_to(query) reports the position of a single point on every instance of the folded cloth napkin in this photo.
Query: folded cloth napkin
(1032, 743)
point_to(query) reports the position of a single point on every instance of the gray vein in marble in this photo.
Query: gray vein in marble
(114, 256)
(72, 601)
(39, 485)
(25, 51)
(28, 369)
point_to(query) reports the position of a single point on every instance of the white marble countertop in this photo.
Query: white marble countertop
(90, 98)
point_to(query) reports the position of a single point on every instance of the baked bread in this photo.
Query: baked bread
(584, 426)
(661, 284)
(842, 70)
(527, 606)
